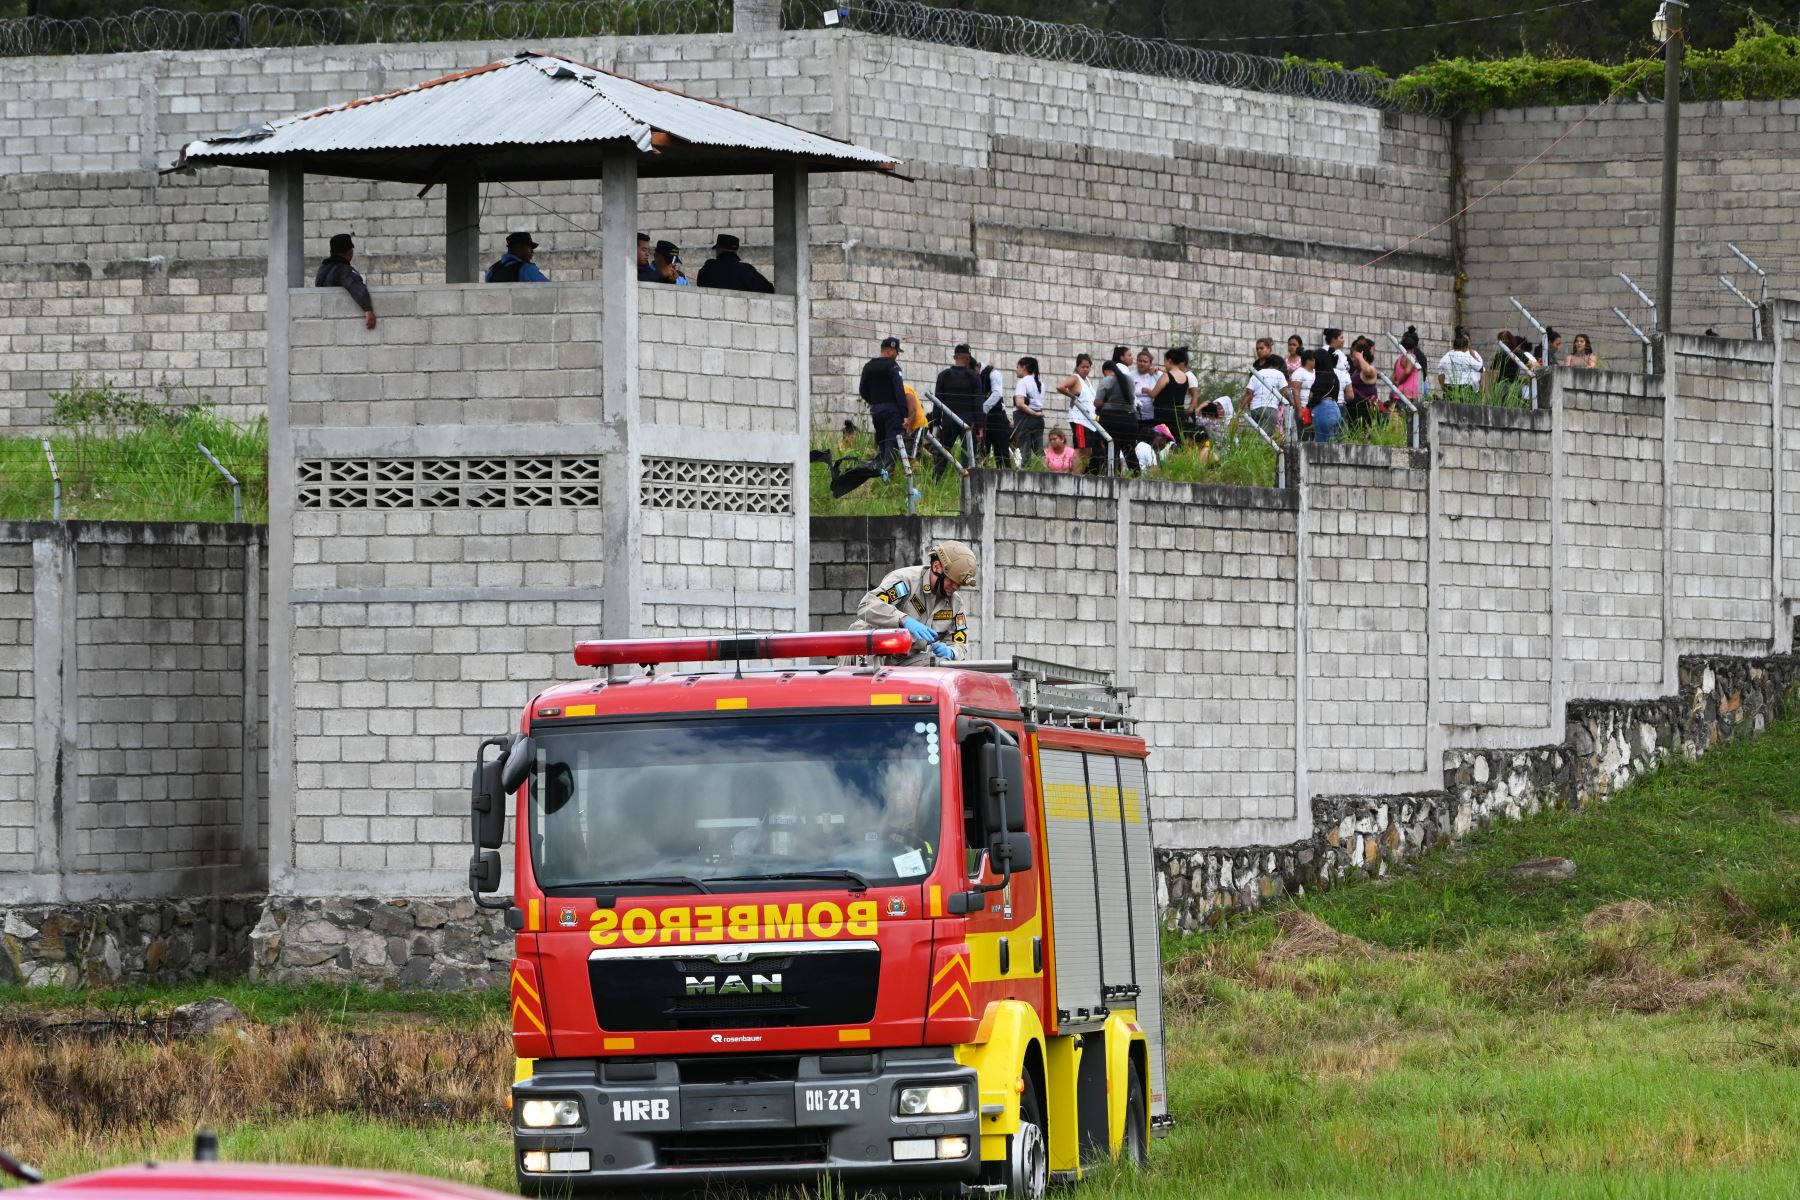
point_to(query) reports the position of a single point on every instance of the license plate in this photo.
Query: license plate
(832, 1100)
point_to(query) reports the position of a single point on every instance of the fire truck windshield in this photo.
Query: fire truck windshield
(814, 801)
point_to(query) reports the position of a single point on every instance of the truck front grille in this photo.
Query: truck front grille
(836, 987)
(748, 1148)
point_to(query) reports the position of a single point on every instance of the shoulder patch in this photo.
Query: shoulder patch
(894, 594)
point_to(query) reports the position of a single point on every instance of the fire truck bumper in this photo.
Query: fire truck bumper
(678, 1123)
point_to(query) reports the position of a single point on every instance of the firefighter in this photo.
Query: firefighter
(925, 601)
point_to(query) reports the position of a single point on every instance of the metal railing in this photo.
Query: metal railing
(1762, 300)
(1649, 345)
(55, 482)
(237, 489)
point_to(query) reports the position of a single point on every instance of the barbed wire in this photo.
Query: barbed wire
(269, 26)
(272, 26)
(1086, 46)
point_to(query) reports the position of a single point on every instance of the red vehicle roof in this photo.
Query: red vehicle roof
(669, 691)
(256, 1181)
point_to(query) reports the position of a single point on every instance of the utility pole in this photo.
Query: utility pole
(1668, 26)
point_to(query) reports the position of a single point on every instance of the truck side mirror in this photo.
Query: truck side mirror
(484, 872)
(1012, 852)
(487, 802)
(1002, 782)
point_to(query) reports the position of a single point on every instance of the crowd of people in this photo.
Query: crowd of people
(1132, 412)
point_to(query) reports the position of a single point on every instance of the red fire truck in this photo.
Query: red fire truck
(895, 925)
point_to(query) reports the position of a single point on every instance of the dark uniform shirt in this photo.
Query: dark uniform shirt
(961, 389)
(337, 272)
(882, 383)
(730, 271)
(648, 274)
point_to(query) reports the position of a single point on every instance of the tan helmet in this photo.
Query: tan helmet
(957, 561)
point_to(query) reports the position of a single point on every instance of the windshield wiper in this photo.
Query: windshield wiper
(639, 881)
(857, 877)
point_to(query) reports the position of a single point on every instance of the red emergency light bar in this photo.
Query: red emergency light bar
(644, 651)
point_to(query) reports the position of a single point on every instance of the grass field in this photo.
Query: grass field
(1632, 1032)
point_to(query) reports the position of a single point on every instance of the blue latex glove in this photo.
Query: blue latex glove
(920, 630)
(943, 651)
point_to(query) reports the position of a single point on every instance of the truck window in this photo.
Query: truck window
(738, 797)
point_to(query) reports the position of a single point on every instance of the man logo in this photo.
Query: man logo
(734, 985)
(625, 1111)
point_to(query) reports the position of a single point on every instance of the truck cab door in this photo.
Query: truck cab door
(1006, 934)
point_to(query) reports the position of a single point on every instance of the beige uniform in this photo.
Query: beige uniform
(907, 593)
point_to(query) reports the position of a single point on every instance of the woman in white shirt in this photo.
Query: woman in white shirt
(1299, 390)
(1461, 373)
(1084, 423)
(1028, 414)
(1267, 387)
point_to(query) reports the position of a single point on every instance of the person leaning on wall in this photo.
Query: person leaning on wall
(336, 271)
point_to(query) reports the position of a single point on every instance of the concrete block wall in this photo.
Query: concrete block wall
(192, 329)
(1054, 548)
(160, 657)
(1364, 520)
(390, 700)
(18, 767)
(1721, 495)
(446, 355)
(1610, 580)
(717, 361)
(1492, 523)
(1213, 645)
(134, 711)
(1555, 236)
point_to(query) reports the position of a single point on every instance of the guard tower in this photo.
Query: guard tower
(496, 470)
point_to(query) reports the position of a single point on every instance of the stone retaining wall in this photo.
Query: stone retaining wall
(100, 942)
(1608, 745)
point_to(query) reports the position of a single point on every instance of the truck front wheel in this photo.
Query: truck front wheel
(1027, 1154)
(1136, 1151)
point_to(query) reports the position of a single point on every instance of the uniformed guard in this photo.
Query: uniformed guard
(925, 601)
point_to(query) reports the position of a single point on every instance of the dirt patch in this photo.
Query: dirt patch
(1303, 935)
(1620, 912)
(1641, 986)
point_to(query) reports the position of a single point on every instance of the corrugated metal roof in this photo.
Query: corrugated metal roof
(530, 100)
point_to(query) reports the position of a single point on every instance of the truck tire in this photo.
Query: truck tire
(1027, 1151)
(1135, 1153)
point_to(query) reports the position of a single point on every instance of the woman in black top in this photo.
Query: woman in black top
(1171, 395)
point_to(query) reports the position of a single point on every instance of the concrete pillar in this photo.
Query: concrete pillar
(793, 277)
(756, 16)
(1782, 641)
(249, 824)
(56, 704)
(287, 220)
(462, 228)
(621, 590)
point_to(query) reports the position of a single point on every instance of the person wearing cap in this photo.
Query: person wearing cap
(726, 270)
(961, 390)
(336, 271)
(515, 266)
(925, 600)
(883, 389)
(667, 263)
(646, 269)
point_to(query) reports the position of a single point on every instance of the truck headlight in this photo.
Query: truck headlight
(549, 1114)
(945, 1100)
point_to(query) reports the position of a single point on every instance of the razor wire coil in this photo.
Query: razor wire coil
(260, 26)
